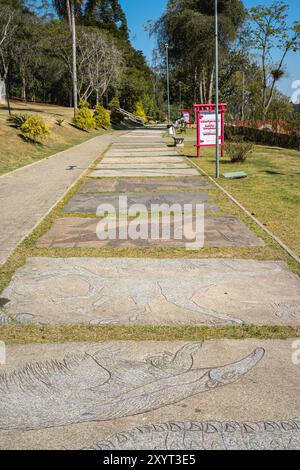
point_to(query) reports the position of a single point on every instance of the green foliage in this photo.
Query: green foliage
(84, 119)
(34, 129)
(139, 111)
(149, 106)
(102, 117)
(17, 119)
(115, 102)
(106, 14)
(83, 104)
(263, 137)
(238, 150)
(270, 29)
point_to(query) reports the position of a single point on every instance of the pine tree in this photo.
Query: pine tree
(106, 14)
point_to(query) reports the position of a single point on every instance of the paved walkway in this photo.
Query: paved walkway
(26, 195)
(221, 394)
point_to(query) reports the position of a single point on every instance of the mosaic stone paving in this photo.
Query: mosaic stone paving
(153, 291)
(150, 395)
(79, 232)
(90, 203)
(144, 184)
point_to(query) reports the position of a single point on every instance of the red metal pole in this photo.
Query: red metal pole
(223, 132)
(198, 134)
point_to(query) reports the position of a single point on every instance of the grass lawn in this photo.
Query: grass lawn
(15, 152)
(272, 190)
(24, 334)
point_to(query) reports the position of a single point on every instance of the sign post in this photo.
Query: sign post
(208, 126)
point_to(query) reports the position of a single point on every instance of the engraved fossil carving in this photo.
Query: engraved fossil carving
(99, 386)
(101, 291)
(266, 435)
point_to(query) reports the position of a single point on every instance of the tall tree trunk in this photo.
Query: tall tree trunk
(71, 17)
(204, 87)
(24, 97)
(6, 81)
(211, 85)
(201, 91)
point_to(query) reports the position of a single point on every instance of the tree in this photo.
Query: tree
(7, 28)
(99, 64)
(68, 9)
(188, 27)
(106, 14)
(269, 29)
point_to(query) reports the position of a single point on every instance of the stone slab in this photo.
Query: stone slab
(137, 173)
(145, 148)
(221, 394)
(134, 160)
(79, 232)
(142, 166)
(154, 292)
(146, 153)
(145, 184)
(142, 146)
(89, 203)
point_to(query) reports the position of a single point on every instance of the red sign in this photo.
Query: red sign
(206, 126)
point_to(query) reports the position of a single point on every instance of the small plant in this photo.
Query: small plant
(115, 102)
(60, 122)
(84, 119)
(139, 111)
(17, 119)
(238, 150)
(102, 117)
(34, 129)
(83, 104)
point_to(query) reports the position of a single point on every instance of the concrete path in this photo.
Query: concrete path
(151, 395)
(28, 194)
(223, 394)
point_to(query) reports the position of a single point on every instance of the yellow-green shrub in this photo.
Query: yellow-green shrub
(84, 119)
(35, 129)
(139, 111)
(83, 104)
(102, 117)
(115, 102)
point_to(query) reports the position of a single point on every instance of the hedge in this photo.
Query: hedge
(263, 137)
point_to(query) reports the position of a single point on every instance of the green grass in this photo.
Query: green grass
(24, 334)
(272, 190)
(16, 153)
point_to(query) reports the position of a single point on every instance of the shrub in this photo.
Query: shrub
(263, 137)
(239, 150)
(17, 119)
(139, 111)
(34, 129)
(115, 102)
(83, 104)
(102, 117)
(84, 119)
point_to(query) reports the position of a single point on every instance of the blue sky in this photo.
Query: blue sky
(140, 11)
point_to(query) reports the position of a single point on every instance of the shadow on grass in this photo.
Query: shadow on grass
(32, 142)
(279, 173)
